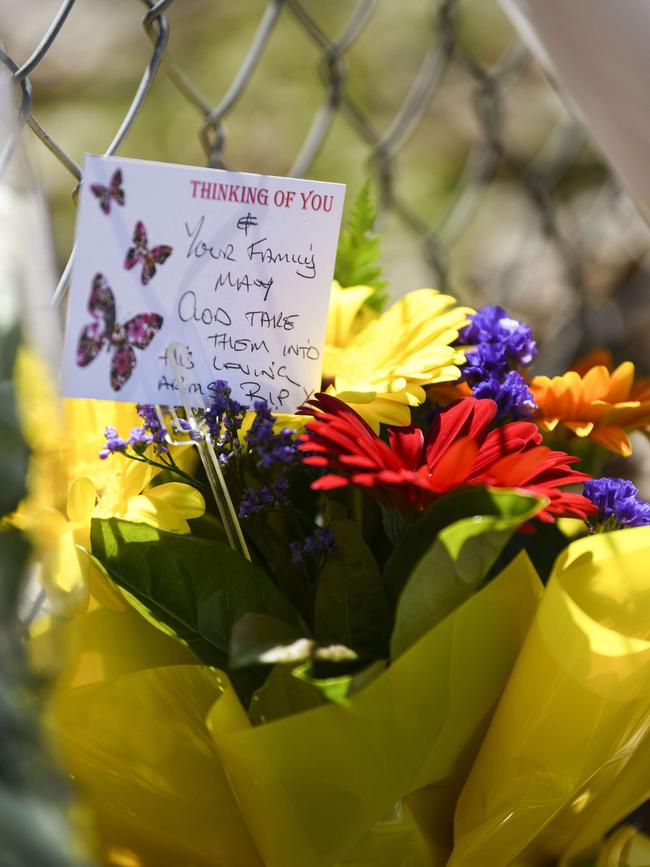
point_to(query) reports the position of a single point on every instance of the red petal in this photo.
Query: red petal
(360, 461)
(453, 465)
(506, 440)
(563, 504)
(326, 483)
(327, 403)
(514, 471)
(406, 443)
(467, 417)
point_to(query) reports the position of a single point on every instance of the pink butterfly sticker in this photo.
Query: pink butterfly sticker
(120, 339)
(113, 191)
(140, 252)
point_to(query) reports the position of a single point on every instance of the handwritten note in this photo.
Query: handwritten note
(235, 267)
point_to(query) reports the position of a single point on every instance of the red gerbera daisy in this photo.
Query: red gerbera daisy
(458, 449)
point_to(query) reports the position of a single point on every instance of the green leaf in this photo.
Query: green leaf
(337, 687)
(454, 567)
(332, 688)
(446, 510)
(258, 639)
(283, 694)
(14, 454)
(34, 798)
(198, 588)
(358, 250)
(351, 606)
(14, 551)
(270, 533)
(292, 689)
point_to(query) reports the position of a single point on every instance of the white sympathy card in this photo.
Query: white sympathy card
(235, 267)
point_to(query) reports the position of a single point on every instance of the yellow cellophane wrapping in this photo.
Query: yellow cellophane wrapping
(177, 776)
(566, 754)
(128, 717)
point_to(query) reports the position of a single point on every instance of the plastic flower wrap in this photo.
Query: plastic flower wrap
(585, 669)
(310, 785)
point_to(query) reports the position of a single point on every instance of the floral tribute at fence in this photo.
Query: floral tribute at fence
(433, 647)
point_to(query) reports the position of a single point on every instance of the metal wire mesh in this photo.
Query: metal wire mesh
(557, 234)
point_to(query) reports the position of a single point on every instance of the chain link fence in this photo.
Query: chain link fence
(486, 186)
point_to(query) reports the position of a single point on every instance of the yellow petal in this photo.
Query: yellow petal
(37, 400)
(135, 476)
(157, 513)
(98, 583)
(86, 419)
(282, 421)
(409, 341)
(82, 497)
(62, 574)
(289, 420)
(185, 499)
(382, 411)
(353, 396)
(344, 307)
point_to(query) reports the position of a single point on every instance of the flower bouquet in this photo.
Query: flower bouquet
(407, 625)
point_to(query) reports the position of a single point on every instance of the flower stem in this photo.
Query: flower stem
(173, 468)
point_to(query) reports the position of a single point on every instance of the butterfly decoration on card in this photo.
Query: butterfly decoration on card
(140, 252)
(121, 339)
(113, 192)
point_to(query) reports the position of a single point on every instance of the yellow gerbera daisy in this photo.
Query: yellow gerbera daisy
(347, 314)
(599, 403)
(119, 487)
(68, 484)
(382, 369)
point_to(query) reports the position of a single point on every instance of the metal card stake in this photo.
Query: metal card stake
(208, 457)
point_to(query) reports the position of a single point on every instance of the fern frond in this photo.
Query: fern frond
(357, 257)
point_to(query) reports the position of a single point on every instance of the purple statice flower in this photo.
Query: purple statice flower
(499, 339)
(320, 543)
(268, 498)
(510, 393)
(140, 437)
(187, 428)
(633, 513)
(114, 443)
(271, 449)
(152, 431)
(618, 502)
(484, 360)
(500, 346)
(224, 419)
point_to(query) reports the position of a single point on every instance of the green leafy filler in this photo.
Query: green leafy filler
(357, 256)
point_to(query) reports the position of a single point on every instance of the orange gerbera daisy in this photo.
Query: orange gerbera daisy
(596, 402)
